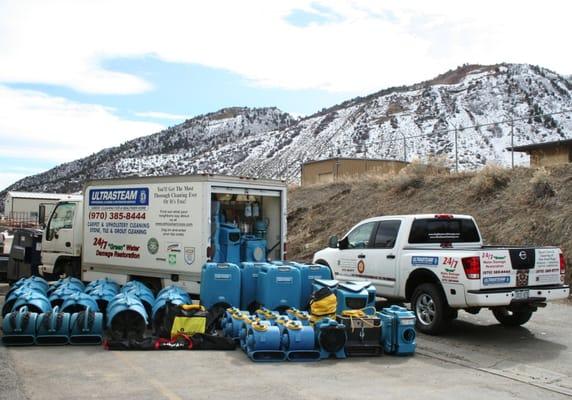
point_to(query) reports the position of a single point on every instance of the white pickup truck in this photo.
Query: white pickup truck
(440, 265)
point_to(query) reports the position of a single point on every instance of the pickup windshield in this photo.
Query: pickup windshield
(433, 230)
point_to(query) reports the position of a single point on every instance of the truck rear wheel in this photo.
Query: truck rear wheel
(512, 318)
(430, 308)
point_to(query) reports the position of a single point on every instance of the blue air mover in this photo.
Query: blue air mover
(58, 296)
(34, 301)
(331, 284)
(105, 282)
(19, 328)
(171, 288)
(266, 314)
(220, 285)
(398, 331)
(102, 295)
(34, 282)
(78, 302)
(308, 273)
(229, 239)
(299, 342)
(354, 296)
(298, 315)
(263, 342)
(126, 317)
(248, 280)
(330, 338)
(278, 287)
(67, 281)
(253, 249)
(140, 290)
(86, 327)
(244, 327)
(13, 295)
(170, 295)
(371, 294)
(233, 323)
(52, 328)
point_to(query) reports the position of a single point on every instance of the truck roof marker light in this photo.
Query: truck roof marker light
(443, 216)
(562, 264)
(472, 267)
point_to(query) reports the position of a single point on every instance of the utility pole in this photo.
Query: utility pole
(456, 152)
(512, 143)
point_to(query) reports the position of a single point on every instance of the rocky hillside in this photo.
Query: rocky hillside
(269, 143)
(520, 206)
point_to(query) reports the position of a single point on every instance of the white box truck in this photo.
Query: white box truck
(162, 229)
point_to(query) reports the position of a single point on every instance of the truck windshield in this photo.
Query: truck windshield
(62, 218)
(431, 230)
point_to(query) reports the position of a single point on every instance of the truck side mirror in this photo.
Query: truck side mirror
(333, 242)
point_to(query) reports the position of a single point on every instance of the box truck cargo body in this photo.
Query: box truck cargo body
(166, 228)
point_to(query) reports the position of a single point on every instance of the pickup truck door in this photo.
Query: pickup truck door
(381, 258)
(353, 250)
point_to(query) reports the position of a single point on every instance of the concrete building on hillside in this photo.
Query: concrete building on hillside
(333, 169)
(548, 153)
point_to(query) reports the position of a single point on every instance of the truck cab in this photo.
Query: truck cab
(62, 239)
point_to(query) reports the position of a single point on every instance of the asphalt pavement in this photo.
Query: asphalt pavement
(476, 359)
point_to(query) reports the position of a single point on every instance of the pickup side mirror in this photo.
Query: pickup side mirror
(344, 243)
(333, 242)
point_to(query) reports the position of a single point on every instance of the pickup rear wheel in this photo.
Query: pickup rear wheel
(430, 308)
(512, 318)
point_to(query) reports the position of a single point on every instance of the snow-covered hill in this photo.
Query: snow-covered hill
(266, 142)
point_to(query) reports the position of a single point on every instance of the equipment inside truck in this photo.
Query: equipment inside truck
(245, 226)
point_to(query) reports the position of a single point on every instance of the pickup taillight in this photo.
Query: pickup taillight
(562, 264)
(472, 267)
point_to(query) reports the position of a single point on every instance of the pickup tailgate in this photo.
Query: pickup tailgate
(520, 267)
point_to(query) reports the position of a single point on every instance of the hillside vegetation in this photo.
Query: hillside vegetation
(520, 206)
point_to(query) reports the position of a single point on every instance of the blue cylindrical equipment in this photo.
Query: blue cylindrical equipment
(34, 301)
(19, 328)
(298, 341)
(126, 317)
(278, 286)
(58, 296)
(141, 291)
(105, 282)
(34, 282)
(86, 327)
(67, 281)
(14, 294)
(298, 315)
(52, 328)
(263, 342)
(102, 294)
(331, 338)
(220, 285)
(265, 314)
(233, 323)
(77, 302)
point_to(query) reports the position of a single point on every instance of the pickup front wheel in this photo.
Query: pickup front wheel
(512, 318)
(430, 308)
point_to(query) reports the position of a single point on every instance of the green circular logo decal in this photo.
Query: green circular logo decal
(153, 246)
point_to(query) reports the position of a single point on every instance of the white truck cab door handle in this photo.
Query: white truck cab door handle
(361, 256)
(391, 256)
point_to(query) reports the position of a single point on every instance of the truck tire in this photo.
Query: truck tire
(432, 312)
(512, 318)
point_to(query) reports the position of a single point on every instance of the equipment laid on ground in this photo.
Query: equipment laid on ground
(331, 338)
(220, 285)
(189, 319)
(77, 302)
(298, 342)
(19, 328)
(278, 287)
(232, 323)
(323, 304)
(398, 330)
(298, 315)
(52, 328)
(102, 295)
(126, 317)
(265, 314)
(354, 296)
(363, 333)
(263, 342)
(34, 282)
(169, 296)
(141, 291)
(69, 281)
(229, 239)
(58, 296)
(106, 283)
(86, 327)
(243, 333)
(34, 301)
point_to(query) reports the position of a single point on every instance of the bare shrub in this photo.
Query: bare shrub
(414, 175)
(540, 187)
(489, 180)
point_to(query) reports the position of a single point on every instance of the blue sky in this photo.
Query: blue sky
(77, 76)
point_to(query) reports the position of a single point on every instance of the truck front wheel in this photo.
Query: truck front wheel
(510, 317)
(430, 308)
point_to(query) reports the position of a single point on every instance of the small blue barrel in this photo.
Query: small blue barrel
(309, 273)
(279, 287)
(220, 285)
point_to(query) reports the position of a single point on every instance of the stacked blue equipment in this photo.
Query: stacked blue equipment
(264, 342)
(398, 330)
(229, 238)
(331, 338)
(105, 282)
(249, 282)
(52, 328)
(58, 296)
(309, 273)
(34, 282)
(34, 301)
(253, 249)
(298, 315)
(142, 292)
(220, 285)
(299, 342)
(78, 301)
(86, 327)
(278, 286)
(102, 295)
(19, 327)
(69, 281)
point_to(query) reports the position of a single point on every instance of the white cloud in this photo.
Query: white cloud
(162, 115)
(373, 44)
(37, 126)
